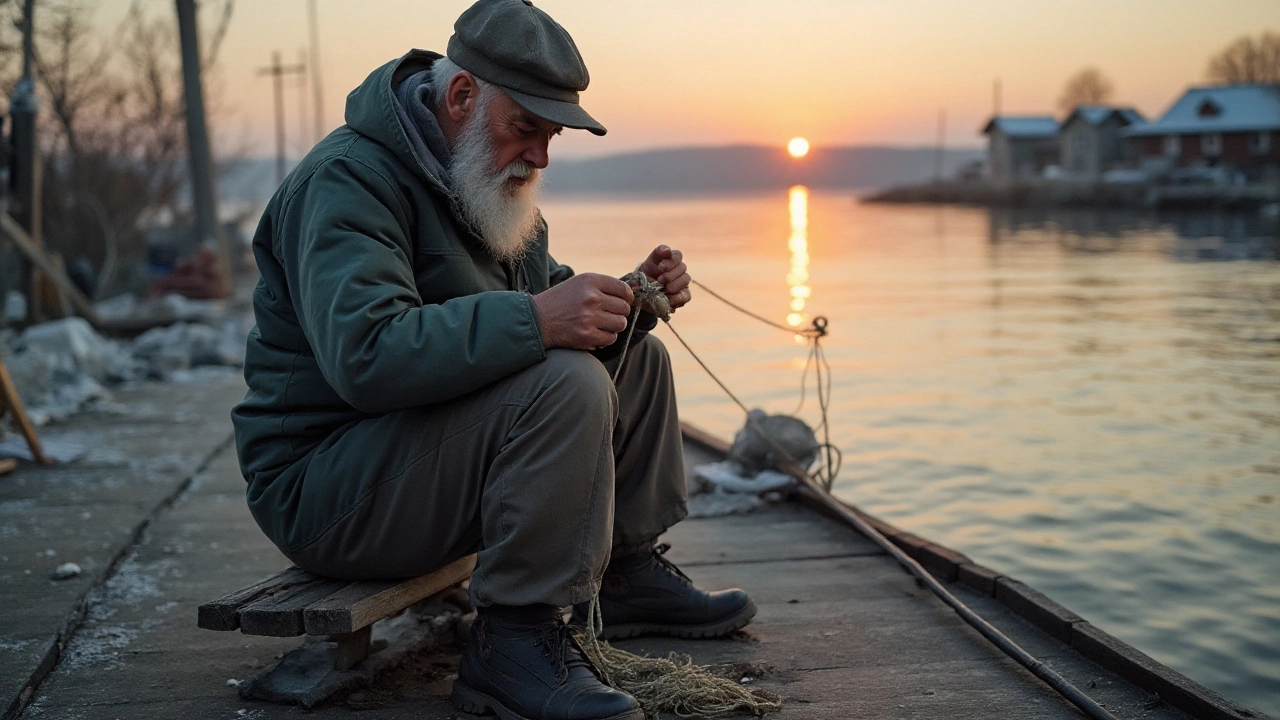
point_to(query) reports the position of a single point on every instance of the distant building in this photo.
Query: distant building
(1091, 141)
(1020, 148)
(1235, 128)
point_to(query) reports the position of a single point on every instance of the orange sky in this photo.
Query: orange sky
(699, 72)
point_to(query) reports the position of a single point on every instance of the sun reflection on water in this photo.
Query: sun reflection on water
(798, 244)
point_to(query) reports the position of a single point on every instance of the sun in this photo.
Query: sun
(798, 147)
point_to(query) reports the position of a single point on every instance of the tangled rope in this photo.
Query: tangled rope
(647, 291)
(651, 293)
(673, 684)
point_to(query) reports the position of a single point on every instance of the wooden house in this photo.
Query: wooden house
(1091, 141)
(1019, 148)
(1234, 127)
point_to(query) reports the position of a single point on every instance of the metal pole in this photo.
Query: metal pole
(942, 142)
(302, 104)
(277, 72)
(24, 176)
(316, 95)
(203, 192)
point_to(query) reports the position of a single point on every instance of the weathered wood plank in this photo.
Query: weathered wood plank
(224, 613)
(361, 604)
(280, 615)
(784, 532)
(13, 403)
(352, 647)
(1140, 669)
(979, 577)
(1033, 605)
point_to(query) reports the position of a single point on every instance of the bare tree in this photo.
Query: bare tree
(1247, 60)
(10, 44)
(1087, 87)
(112, 127)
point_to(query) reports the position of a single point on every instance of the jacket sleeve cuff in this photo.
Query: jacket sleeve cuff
(644, 323)
(536, 321)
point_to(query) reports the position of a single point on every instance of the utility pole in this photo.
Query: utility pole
(942, 142)
(302, 102)
(24, 177)
(277, 71)
(316, 94)
(203, 192)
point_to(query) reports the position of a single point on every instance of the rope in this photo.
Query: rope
(673, 684)
(822, 490)
(818, 329)
(647, 291)
(832, 458)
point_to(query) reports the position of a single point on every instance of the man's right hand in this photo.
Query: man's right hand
(584, 312)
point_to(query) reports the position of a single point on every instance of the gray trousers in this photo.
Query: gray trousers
(543, 473)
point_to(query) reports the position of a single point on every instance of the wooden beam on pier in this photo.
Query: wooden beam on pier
(38, 257)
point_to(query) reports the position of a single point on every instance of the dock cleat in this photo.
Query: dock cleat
(646, 594)
(523, 664)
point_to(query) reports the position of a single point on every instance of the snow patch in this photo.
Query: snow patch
(64, 367)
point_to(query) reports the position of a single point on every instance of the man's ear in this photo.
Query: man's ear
(460, 97)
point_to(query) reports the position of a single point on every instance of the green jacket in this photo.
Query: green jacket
(374, 297)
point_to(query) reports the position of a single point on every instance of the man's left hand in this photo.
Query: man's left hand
(665, 265)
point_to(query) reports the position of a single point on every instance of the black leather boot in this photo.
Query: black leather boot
(647, 594)
(522, 664)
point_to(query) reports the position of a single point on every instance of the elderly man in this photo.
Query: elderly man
(425, 381)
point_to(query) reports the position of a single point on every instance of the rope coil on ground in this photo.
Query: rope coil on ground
(673, 684)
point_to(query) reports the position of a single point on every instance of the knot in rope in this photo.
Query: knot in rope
(650, 292)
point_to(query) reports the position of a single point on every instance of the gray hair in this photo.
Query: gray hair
(443, 71)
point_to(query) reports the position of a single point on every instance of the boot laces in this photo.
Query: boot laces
(659, 557)
(557, 644)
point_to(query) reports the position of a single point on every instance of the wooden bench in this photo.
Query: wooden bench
(295, 602)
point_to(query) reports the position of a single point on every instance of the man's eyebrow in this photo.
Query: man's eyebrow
(531, 119)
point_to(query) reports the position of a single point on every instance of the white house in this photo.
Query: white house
(1020, 147)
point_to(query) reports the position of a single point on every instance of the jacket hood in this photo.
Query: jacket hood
(371, 111)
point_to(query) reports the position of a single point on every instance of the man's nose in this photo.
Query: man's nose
(536, 154)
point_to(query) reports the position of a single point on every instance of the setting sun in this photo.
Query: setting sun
(798, 147)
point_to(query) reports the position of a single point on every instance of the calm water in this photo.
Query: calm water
(1088, 403)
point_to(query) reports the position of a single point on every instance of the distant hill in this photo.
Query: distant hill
(735, 168)
(738, 168)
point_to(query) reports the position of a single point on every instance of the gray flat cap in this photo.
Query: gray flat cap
(518, 47)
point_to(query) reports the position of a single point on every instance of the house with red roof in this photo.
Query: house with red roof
(1233, 127)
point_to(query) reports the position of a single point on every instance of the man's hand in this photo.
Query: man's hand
(666, 265)
(585, 312)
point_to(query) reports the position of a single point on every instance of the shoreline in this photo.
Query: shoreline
(1045, 194)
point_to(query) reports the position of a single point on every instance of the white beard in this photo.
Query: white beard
(506, 216)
